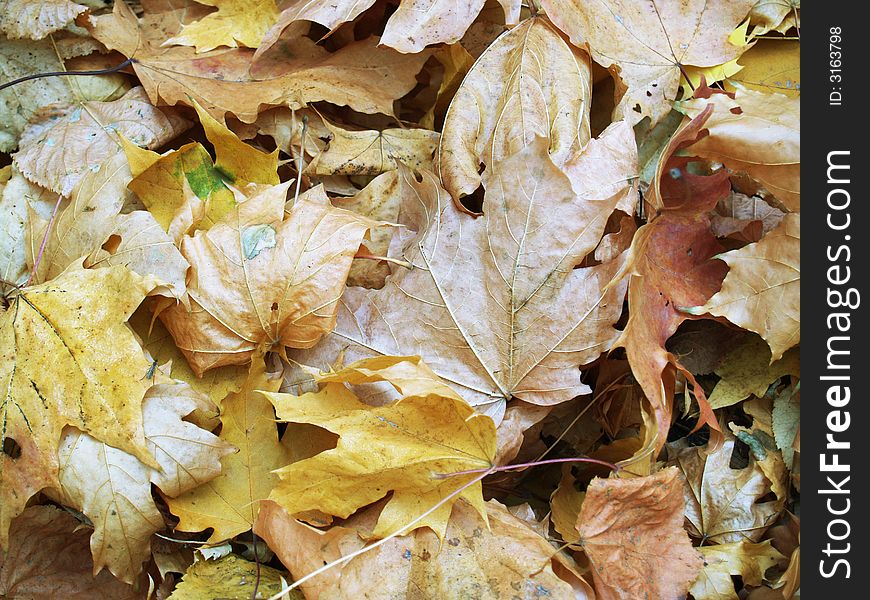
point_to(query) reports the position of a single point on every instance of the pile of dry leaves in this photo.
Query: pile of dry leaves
(293, 296)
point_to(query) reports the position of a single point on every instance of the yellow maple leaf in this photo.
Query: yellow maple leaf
(236, 22)
(229, 504)
(404, 447)
(68, 358)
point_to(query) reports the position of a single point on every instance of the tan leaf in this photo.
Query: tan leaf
(264, 278)
(405, 447)
(35, 20)
(229, 504)
(229, 578)
(70, 140)
(650, 43)
(236, 22)
(722, 503)
(68, 358)
(48, 558)
(113, 488)
(362, 76)
(632, 532)
(565, 505)
(528, 83)
(774, 16)
(507, 559)
(757, 133)
(748, 370)
(761, 291)
(762, 444)
(748, 560)
(499, 306)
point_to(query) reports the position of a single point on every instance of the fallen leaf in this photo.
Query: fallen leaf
(362, 76)
(50, 152)
(786, 422)
(528, 83)
(48, 558)
(744, 210)
(778, 16)
(770, 66)
(757, 133)
(263, 278)
(747, 370)
(35, 20)
(761, 291)
(722, 504)
(113, 488)
(235, 22)
(744, 559)
(760, 439)
(650, 44)
(405, 447)
(565, 505)
(632, 532)
(229, 504)
(499, 306)
(229, 578)
(499, 557)
(67, 358)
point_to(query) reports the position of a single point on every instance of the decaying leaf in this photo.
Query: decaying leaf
(48, 558)
(113, 488)
(407, 447)
(499, 557)
(230, 577)
(748, 560)
(229, 504)
(264, 278)
(67, 358)
(236, 22)
(747, 370)
(35, 20)
(632, 532)
(649, 44)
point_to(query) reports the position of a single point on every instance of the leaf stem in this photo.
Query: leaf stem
(114, 69)
(44, 241)
(613, 467)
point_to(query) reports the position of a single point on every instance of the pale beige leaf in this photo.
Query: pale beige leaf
(761, 291)
(649, 43)
(264, 278)
(748, 560)
(528, 83)
(505, 560)
(70, 140)
(35, 20)
(113, 488)
(48, 559)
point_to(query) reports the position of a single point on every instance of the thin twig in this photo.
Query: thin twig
(300, 163)
(44, 241)
(550, 461)
(114, 69)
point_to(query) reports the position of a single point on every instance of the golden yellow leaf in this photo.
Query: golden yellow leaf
(761, 291)
(265, 278)
(50, 152)
(113, 488)
(649, 43)
(748, 370)
(404, 447)
(68, 358)
(565, 505)
(235, 22)
(755, 133)
(632, 532)
(485, 559)
(229, 578)
(770, 66)
(48, 559)
(229, 504)
(528, 83)
(35, 20)
(748, 560)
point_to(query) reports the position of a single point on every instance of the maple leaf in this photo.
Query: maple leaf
(650, 43)
(632, 532)
(749, 561)
(770, 66)
(50, 152)
(778, 16)
(490, 559)
(748, 370)
(113, 488)
(405, 447)
(499, 306)
(413, 26)
(67, 358)
(35, 20)
(722, 504)
(762, 444)
(264, 278)
(229, 504)
(230, 577)
(362, 76)
(83, 228)
(761, 291)
(671, 262)
(235, 22)
(528, 83)
(754, 132)
(48, 558)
